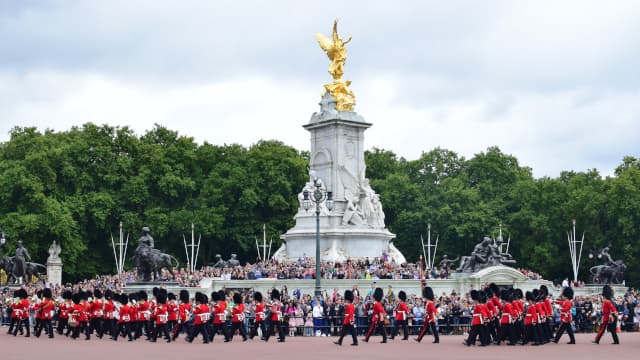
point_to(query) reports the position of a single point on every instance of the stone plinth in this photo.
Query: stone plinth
(54, 272)
(355, 227)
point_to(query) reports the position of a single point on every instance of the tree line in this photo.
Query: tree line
(76, 186)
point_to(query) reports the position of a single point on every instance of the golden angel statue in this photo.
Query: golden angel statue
(337, 53)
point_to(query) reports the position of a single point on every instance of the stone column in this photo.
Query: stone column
(54, 265)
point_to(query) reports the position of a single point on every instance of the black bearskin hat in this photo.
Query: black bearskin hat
(378, 294)
(475, 295)
(161, 297)
(76, 298)
(142, 295)
(39, 294)
(222, 295)
(184, 296)
(494, 289)
(46, 293)
(529, 296)
(607, 292)
(567, 292)
(67, 294)
(401, 295)
(215, 296)
(200, 298)
(544, 291)
(171, 296)
(237, 298)
(482, 297)
(108, 294)
(488, 293)
(84, 295)
(518, 294)
(348, 295)
(155, 290)
(505, 295)
(97, 294)
(88, 294)
(124, 299)
(427, 292)
(275, 294)
(258, 296)
(536, 294)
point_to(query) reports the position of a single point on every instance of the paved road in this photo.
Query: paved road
(308, 348)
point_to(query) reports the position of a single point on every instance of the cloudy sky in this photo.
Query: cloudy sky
(555, 83)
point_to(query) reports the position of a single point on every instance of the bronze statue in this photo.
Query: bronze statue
(611, 272)
(485, 254)
(337, 53)
(19, 268)
(149, 260)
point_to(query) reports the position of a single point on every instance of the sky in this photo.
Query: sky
(554, 83)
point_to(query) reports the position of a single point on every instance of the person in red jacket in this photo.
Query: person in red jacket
(124, 319)
(518, 305)
(276, 317)
(609, 316)
(547, 326)
(377, 320)
(97, 313)
(350, 319)
(162, 316)
(260, 316)
(85, 314)
(507, 319)
(109, 320)
(237, 319)
(37, 307)
(565, 316)
(75, 315)
(15, 312)
(21, 309)
(184, 313)
(477, 321)
(402, 315)
(219, 314)
(143, 317)
(430, 315)
(531, 320)
(47, 309)
(202, 315)
(172, 311)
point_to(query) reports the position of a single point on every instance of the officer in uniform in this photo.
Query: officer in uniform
(565, 316)
(349, 319)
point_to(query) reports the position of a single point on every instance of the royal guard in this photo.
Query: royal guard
(15, 306)
(348, 323)
(518, 305)
(547, 326)
(48, 310)
(430, 315)
(507, 319)
(85, 314)
(37, 308)
(402, 312)
(162, 316)
(201, 318)
(75, 315)
(565, 316)
(124, 318)
(184, 315)
(609, 316)
(237, 318)
(219, 308)
(133, 310)
(494, 306)
(97, 313)
(64, 309)
(542, 316)
(144, 315)
(21, 307)
(477, 321)
(379, 315)
(172, 311)
(531, 320)
(276, 317)
(260, 316)
(109, 318)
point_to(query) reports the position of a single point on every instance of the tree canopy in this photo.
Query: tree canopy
(76, 186)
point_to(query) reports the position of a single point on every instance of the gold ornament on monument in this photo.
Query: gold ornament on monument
(337, 53)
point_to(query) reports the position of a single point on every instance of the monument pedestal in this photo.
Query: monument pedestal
(355, 227)
(54, 265)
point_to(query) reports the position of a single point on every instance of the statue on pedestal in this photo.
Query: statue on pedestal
(611, 272)
(54, 253)
(149, 260)
(337, 53)
(485, 254)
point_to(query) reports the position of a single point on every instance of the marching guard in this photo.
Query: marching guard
(260, 316)
(565, 316)
(609, 316)
(430, 316)
(402, 312)
(377, 320)
(276, 317)
(237, 320)
(201, 318)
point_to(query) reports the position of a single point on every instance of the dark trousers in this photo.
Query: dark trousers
(197, 329)
(96, 324)
(180, 327)
(611, 326)
(21, 323)
(396, 328)
(124, 329)
(494, 325)
(531, 334)
(61, 325)
(237, 326)
(349, 328)
(218, 329)
(163, 330)
(565, 326)
(254, 329)
(46, 326)
(434, 331)
(507, 331)
(379, 327)
(473, 334)
(272, 330)
(12, 325)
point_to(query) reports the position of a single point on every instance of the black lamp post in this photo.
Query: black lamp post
(317, 197)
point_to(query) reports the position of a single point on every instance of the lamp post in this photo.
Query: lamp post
(317, 197)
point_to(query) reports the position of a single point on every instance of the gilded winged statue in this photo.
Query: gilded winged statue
(337, 53)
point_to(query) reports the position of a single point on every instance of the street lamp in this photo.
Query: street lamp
(318, 196)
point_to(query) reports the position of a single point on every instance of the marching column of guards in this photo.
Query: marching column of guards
(499, 315)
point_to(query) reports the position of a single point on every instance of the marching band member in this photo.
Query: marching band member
(507, 319)
(63, 312)
(530, 320)
(109, 310)
(219, 314)
(172, 311)
(184, 314)
(97, 313)
(162, 316)
(565, 316)
(478, 320)
(276, 317)
(202, 315)
(124, 318)
(430, 315)
(74, 316)
(21, 308)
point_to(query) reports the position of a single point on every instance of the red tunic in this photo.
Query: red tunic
(237, 313)
(172, 310)
(162, 315)
(496, 303)
(430, 313)
(378, 312)
(38, 310)
(76, 314)
(183, 311)
(143, 311)
(478, 315)
(507, 314)
(260, 312)
(219, 312)
(96, 309)
(349, 314)
(532, 315)
(125, 314)
(565, 310)
(109, 310)
(276, 311)
(48, 308)
(608, 309)
(401, 311)
(202, 314)
(16, 310)
(86, 311)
